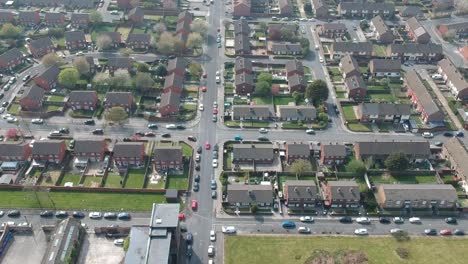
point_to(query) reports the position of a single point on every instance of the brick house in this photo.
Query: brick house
(340, 194)
(86, 100)
(32, 99)
(381, 31)
(242, 45)
(52, 151)
(415, 52)
(185, 17)
(10, 59)
(453, 78)
(252, 153)
(294, 67)
(379, 151)
(455, 151)
(241, 27)
(29, 18)
(244, 83)
(170, 103)
(115, 63)
(41, 47)
(75, 40)
(285, 8)
(417, 32)
(129, 154)
(385, 68)
(173, 82)
(122, 99)
(47, 80)
(168, 157)
(300, 194)
(284, 48)
(241, 7)
(356, 87)
(365, 9)
(295, 113)
(383, 112)
(138, 41)
(136, 15)
(12, 151)
(251, 112)
(297, 151)
(244, 196)
(177, 66)
(296, 83)
(460, 30)
(332, 30)
(91, 149)
(349, 67)
(332, 154)
(359, 50)
(115, 37)
(79, 20)
(54, 19)
(6, 17)
(320, 8)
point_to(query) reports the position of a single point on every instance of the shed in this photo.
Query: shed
(10, 166)
(172, 195)
(6, 179)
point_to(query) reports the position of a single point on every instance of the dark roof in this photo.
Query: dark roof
(115, 36)
(296, 79)
(241, 26)
(41, 43)
(178, 63)
(285, 47)
(294, 65)
(11, 54)
(298, 149)
(242, 43)
(243, 63)
(425, 49)
(12, 149)
(50, 74)
(120, 62)
(71, 36)
(458, 151)
(416, 85)
(79, 16)
(385, 109)
(371, 7)
(244, 78)
(242, 193)
(301, 189)
(252, 151)
(119, 98)
(89, 145)
(334, 26)
(128, 149)
(137, 11)
(410, 148)
(6, 15)
(409, 11)
(344, 190)
(27, 15)
(334, 150)
(420, 192)
(384, 65)
(47, 147)
(53, 16)
(82, 96)
(167, 153)
(170, 98)
(349, 66)
(352, 47)
(185, 15)
(132, 37)
(355, 82)
(174, 80)
(416, 27)
(252, 111)
(35, 93)
(292, 111)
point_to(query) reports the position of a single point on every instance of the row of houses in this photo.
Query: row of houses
(55, 3)
(173, 87)
(266, 112)
(244, 8)
(365, 9)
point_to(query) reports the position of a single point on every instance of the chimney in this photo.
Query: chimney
(351, 190)
(308, 190)
(338, 190)
(295, 189)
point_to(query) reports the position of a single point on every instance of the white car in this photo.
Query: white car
(212, 236)
(306, 219)
(228, 229)
(321, 59)
(263, 130)
(10, 223)
(211, 250)
(171, 126)
(415, 220)
(427, 135)
(2, 109)
(119, 242)
(361, 231)
(437, 77)
(310, 131)
(12, 119)
(303, 230)
(217, 73)
(95, 215)
(317, 47)
(201, 107)
(363, 220)
(218, 80)
(398, 220)
(215, 163)
(37, 121)
(396, 230)
(5, 116)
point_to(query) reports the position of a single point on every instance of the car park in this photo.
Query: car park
(61, 214)
(13, 213)
(303, 230)
(361, 232)
(306, 219)
(288, 224)
(212, 236)
(430, 232)
(123, 216)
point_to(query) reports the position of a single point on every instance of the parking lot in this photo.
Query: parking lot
(100, 250)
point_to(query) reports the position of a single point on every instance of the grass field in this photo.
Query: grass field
(124, 31)
(91, 181)
(56, 98)
(405, 179)
(113, 180)
(348, 112)
(358, 127)
(296, 250)
(179, 182)
(135, 179)
(282, 100)
(69, 177)
(101, 28)
(260, 100)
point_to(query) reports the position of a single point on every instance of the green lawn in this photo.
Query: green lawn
(69, 177)
(135, 179)
(139, 30)
(186, 149)
(113, 180)
(14, 109)
(252, 124)
(91, 181)
(340, 94)
(382, 97)
(379, 250)
(80, 200)
(334, 71)
(348, 112)
(379, 50)
(51, 108)
(56, 98)
(405, 179)
(282, 100)
(179, 182)
(358, 127)
(262, 100)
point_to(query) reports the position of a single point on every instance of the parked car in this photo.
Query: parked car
(430, 232)
(201, 107)
(95, 215)
(396, 230)
(46, 213)
(288, 224)
(13, 213)
(37, 121)
(61, 214)
(361, 232)
(194, 204)
(78, 214)
(181, 127)
(398, 220)
(213, 185)
(215, 163)
(450, 220)
(460, 134)
(196, 186)
(192, 138)
(363, 220)
(306, 219)
(211, 250)
(110, 215)
(212, 236)
(448, 134)
(123, 216)
(263, 139)
(98, 131)
(303, 230)
(415, 220)
(90, 122)
(228, 229)
(189, 251)
(64, 130)
(445, 232)
(171, 126)
(189, 238)
(310, 131)
(215, 147)
(199, 149)
(152, 126)
(197, 178)
(427, 135)
(459, 232)
(384, 220)
(197, 167)
(119, 242)
(346, 219)
(238, 138)
(263, 130)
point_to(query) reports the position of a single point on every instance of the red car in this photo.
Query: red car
(215, 111)
(204, 75)
(203, 88)
(194, 204)
(445, 232)
(207, 146)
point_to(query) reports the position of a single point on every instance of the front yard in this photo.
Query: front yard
(348, 111)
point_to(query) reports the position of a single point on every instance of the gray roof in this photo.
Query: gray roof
(26, 15)
(128, 149)
(252, 111)
(242, 193)
(241, 26)
(333, 27)
(115, 36)
(119, 98)
(294, 65)
(352, 47)
(301, 189)
(12, 149)
(379, 25)
(243, 63)
(34, 93)
(244, 78)
(416, 27)
(458, 151)
(252, 151)
(185, 15)
(120, 62)
(298, 149)
(425, 49)
(412, 192)
(41, 43)
(89, 145)
(409, 148)
(453, 75)
(6, 15)
(138, 37)
(355, 82)
(11, 54)
(178, 63)
(79, 16)
(50, 74)
(170, 98)
(137, 11)
(67, 3)
(67, 234)
(242, 43)
(384, 65)
(71, 36)
(349, 66)
(416, 85)
(53, 16)
(167, 153)
(369, 6)
(292, 111)
(344, 190)
(296, 79)
(174, 80)
(410, 11)
(385, 109)
(334, 150)
(165, 215)
(82, 96)
(285, 47)
(47, 147)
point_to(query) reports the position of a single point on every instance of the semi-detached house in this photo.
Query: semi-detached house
(453, 79)
(168, 157)
(52, 151)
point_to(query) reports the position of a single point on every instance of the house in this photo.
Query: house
(177, 66)
(320, 8)
(90, 149)
(241, 7)
(75, 40)
(356, 87)
(285, 8)
(421, 99)
(79, 20)
(412, 11)
(349, 67)
(284, 48)
(170, 103)
(11, 59)
(115, 37)
(385, 68)
(124, 4)
(32, 99)
(241, 45)
(296, 83)
(332, 30)
(415, 52)
(297, 151)
(54, 19)
(455, 151)
(294, 67)
(41, 47)
(383, 112)
(244, 83)
(296, 113)
(65, 232)
(417, 32)
(276, 31)
(251, 112)
(86, 100)
(174, 83)
(70, 4)
(416, 196)
(332, 154)
(365, 9)
(12, 151)
(252, 153)
(138, 41)
(356, 49)
(47, 80)
(6, 17)
(245, 196)
(439, 5)
(168, 157)
(122, 99)
(381, 31)
(241, 27)
(129, 154)
(341, 194)
(453, 79)
(243, 65)
(300, 194)
(458, 30)
(52, 151)
(380, 151)
(115, 63)
(29, 18)
(136, 15)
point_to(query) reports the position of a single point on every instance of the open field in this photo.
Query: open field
(296, 250)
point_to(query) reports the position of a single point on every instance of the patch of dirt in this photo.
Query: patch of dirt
(342, 257)
(320, 257)
(354, 257)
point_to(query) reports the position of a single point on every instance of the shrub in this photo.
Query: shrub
(402, 253)
(401, 236)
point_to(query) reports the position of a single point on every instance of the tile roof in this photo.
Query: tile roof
(11, 54)
(79, 16)
(292, 111)
(50, 74)
(114, 36)
(379, 25)
(170, 98)
(285, 47)
(243, 63)
(185, 15)
(334, 150)
(344, 190)
(82, 96)
(119, 98)
(384, 65)
(412, 192)
(416, 85)
(167, 153)
(416, 27)
(41, 43)
(174, 80)
(71, 36)
(242, 43)
(349, 66)
(241, 26)
(369, 6)
(459, 153)
(252, 111)
(242, 193)
(47, 147)
(244, 78)
(53, 16)
(453, 75)
(301, 189)
(298, 149)
(132, 37)
(35, 93)
(128, 149)
(352, 47)
(385, 109)
(333, 27)
(296, 79)
(137, 11)
(294, 65)
(178, 63)
(425, 49)
(409, 148)
(12, 149)
(120, 62)
(89, 145)
(252, 151)
(355, 82)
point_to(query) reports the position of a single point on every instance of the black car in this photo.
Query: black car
(196, 186)
(346, 219)
(448, 134)
(263, 139)
(192, 138)
(110, 215)
(61, 214)
(459, 232)
(430, 232)
(460, 134)
(78, 214)
(189, 251)
(89, 122)
(123, 216)
(13, 213)
(98, 131)
(189, 238)
(216, 147)
(150, 134)
(199, 149)
(64, 130)
(183, 228)
(171, 57)
(180, 127)
(197, 167)
(152, 126)
(5, 104)
(166, 135)
(46, 214)
(140, 133)
(197, 178)
(450, 220)
(385, 220)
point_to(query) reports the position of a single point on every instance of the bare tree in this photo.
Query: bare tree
(52, 59)
(200, 26)
(159, 28)
(121, 78)
(101, 78)
(194, 40)
(103, 42)
(82, 65)
(461, 6)
(166, 43)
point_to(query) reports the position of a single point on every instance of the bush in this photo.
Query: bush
(401, 236)
(402, 253)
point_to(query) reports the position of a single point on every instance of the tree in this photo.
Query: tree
(12, 133)
(166, 43)
(461, 6)
(116, 114)
(287, 34)
(308, 8)
(262, 88)
(317, 92)
(265, 77)
(161, 70)
(263, 26)
(397, 162)
(68, 77)
(143, 81)
(55, 32)
(199, 26)
(125, 52)
(298, 97)
(121, 78)
(82, 65)
(254, 208)
(101, 78)
(103, 42)
(143, 67)
(52, 60)
(95, 17)
(194, 40)
(159, 28)
(304, 46)
(299, 166)
(357, 167)
(195, 69)
(10, 31)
